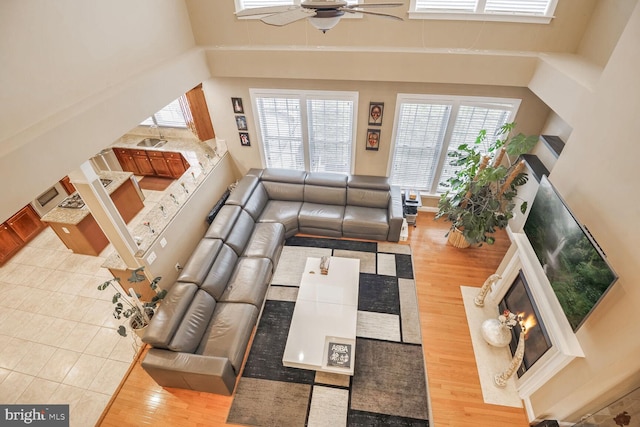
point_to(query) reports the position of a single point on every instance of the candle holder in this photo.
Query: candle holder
(484, 290)
(501, 379)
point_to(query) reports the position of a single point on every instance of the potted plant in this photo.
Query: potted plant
(481, 193)
(129, 306)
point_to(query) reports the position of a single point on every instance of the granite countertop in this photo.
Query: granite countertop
(202, 159)
(75, 216)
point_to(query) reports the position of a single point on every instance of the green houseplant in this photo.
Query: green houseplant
(481, 193)
(129, 306)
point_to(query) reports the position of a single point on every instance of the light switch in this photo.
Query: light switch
(163, 242)
(152, 257)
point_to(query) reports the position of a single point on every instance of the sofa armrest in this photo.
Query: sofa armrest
(190, 371)
(396, 214)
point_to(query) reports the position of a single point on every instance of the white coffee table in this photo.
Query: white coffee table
(325, 314)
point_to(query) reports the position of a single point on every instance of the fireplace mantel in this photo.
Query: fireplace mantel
(564, 344)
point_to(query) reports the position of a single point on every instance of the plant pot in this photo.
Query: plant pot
(457, 240)
(135, 326)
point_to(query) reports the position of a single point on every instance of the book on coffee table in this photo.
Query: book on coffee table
(339, 354)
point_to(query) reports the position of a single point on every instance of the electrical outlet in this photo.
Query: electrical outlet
(163, 242)
(178, 266)
(152, 257)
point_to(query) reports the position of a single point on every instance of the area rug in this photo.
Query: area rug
(155, 183)
(388, 387)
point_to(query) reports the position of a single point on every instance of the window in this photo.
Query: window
(538, 11)
(170, 116)
(312, 130)
(428, 127)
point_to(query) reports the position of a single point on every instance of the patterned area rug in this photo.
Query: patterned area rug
(389, 383)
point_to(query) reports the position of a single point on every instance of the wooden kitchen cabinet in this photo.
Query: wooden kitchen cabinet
(68, 186)
(10, 243)
(143, 163)
(125, 157)
(176, 163)
(159, 164)
(18, 231)
(86, 237)
(127, 201)
(26, 223)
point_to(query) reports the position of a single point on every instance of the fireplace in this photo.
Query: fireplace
(518, 300)
(523, 279)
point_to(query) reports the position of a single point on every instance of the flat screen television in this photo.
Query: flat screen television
(572, 261)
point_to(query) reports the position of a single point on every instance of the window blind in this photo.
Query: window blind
(330, 134)
(419, 137)
(306, 130)
(429, 127)
(281, 130)
(515, 7)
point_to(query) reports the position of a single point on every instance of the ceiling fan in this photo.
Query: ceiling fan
(322, 14)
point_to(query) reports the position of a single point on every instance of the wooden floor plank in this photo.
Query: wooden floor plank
(454, 386)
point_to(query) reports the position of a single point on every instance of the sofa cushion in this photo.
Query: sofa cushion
(241, 194)
(249, 282)
(257, 201)
(326, 189)
(229, 331)
(241, 232)
(223, 223)
(286, 213)
(266, 241)
(368, 191)
(365, 223)
(284, 184)
(320, 216)
(169, 315)
(200, 261)
(220, 272)
(195, 321)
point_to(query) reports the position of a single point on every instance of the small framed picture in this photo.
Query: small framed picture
(373, 139)
(375, 113)
(244, 139)
(241, 122)
(237, 105)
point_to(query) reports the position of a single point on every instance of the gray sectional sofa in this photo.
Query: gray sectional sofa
(199, 334)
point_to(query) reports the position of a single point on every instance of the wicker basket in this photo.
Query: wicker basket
(457, 240)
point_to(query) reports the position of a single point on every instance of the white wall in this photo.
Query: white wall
(597, 175)
(77, 75)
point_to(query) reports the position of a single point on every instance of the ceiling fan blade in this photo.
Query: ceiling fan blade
(372, 5)
(284, 18)
(265, 10)
(366, 12)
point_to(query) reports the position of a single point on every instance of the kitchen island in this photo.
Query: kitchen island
(77, 228)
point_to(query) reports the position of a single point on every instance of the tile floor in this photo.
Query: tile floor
(59, 339)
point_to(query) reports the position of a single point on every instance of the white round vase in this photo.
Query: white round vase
(495, 333)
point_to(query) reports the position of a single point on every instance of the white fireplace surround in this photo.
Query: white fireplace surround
(564, 344)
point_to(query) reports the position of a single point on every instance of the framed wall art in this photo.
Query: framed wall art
(375, 113)
(244, 139)
(241, 122)
(237, 105)
(373, 139)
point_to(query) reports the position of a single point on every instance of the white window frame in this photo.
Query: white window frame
(480, 13)
(153, 121)
(302, 96)
(455, 102)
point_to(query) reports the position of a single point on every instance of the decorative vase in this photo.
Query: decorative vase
(457, 240)
(496, 333)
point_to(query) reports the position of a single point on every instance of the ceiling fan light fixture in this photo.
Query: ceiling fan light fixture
(324, 20)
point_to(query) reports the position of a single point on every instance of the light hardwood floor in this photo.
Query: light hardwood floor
(454, 387)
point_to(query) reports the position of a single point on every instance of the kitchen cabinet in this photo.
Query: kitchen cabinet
(68, 186)
(176, 163)
(85, 237)
(10, 243)
(127, 200)
(18, 231)
(125, 157)
(143, 163)
(159, 164)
